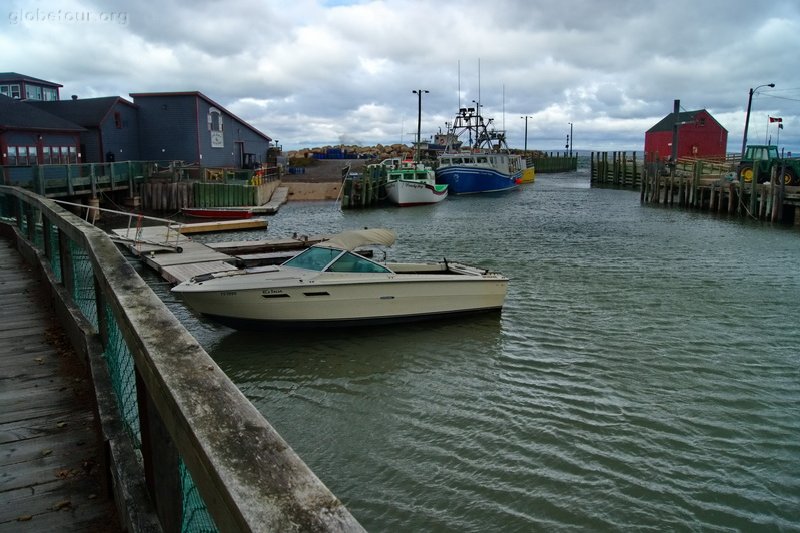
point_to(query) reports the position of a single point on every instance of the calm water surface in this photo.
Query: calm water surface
(643, 375)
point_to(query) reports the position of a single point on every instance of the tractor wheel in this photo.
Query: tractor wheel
(790, 177)
(746, 173)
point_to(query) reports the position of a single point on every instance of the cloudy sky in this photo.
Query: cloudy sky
(315, 72)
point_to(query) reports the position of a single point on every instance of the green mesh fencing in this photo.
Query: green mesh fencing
(195, 517)
(22, 222)
(38, 230)
(83, 279)
(55, 252)
(123, 378)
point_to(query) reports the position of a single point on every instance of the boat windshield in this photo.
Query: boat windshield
(320, 258)
(350, 262)
(314, 258)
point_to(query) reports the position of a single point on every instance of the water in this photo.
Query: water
(642, 375)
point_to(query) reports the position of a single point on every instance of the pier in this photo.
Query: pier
(619, 170)
(545, 163)
(182, 448)
(705, 185)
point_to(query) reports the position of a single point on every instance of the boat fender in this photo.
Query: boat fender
(446, 266)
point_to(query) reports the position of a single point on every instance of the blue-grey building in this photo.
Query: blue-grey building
(111, 126)
(22, 87)
(38, 128)
(189, 126)
(31, 136)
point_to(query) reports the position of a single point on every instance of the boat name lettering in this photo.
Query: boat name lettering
(228, 293)
(272, 291)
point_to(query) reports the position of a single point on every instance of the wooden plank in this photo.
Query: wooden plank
(49, 458)
(223, 225)
(179, 273)
(45, 508)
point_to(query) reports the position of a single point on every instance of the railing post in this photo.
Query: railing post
(48, 248)
(40, 184)
(93, 180)
(70, 187)
(161, 468)
(67, 270)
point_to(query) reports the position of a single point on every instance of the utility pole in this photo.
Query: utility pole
(526, 117)
(419, 92)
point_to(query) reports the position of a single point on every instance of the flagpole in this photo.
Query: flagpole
(769, 119)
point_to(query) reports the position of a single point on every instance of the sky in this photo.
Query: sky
(313, 73)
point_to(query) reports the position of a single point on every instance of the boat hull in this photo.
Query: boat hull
(334, 300)
(471, 180)
(407, 193)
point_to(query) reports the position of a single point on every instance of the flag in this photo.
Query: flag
(780, 126)
(775, 119)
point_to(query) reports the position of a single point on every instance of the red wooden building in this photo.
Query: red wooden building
(699, 135)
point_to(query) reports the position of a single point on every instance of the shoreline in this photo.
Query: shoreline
(312, 190)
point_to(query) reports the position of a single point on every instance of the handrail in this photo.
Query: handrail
(247, 475)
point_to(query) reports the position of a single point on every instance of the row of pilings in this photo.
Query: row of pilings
(703, 184)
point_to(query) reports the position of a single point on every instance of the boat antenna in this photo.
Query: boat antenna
(459, 84)
(479, 85)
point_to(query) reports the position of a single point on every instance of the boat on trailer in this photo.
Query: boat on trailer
(331, 284)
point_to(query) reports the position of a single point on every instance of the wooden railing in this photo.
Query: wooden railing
(168, 400)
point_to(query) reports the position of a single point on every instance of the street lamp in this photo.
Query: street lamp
(526, 117)
(747, 116)
(419, 92)
(570, 139)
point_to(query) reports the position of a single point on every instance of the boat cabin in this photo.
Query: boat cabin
(481, 160)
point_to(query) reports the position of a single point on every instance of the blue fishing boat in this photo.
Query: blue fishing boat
(481, 164)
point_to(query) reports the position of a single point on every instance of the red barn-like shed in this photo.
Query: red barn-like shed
(699, 135)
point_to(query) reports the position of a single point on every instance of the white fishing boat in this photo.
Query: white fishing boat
(411, 183)
(330, 284)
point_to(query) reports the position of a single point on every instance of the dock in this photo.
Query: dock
(49, 453)
(177, 258)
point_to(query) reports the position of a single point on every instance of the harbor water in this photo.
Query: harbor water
(643, 375)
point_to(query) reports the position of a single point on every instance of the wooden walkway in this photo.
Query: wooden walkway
(49, 453)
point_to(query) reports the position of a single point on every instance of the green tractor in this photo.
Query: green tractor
(764, 158)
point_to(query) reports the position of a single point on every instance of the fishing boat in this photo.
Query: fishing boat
(231, 213)
(332, 284)
(412, 183)
(483, 164)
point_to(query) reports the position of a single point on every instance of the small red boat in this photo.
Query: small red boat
(218, 212)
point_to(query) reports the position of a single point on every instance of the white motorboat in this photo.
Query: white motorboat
(412, 183)
(330, 284)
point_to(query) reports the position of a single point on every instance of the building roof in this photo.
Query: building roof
(666, 123)
(198, 94)
(20, 115)
(15, 76)
(87, 112)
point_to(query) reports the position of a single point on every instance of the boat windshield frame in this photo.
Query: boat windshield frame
(326, 259)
